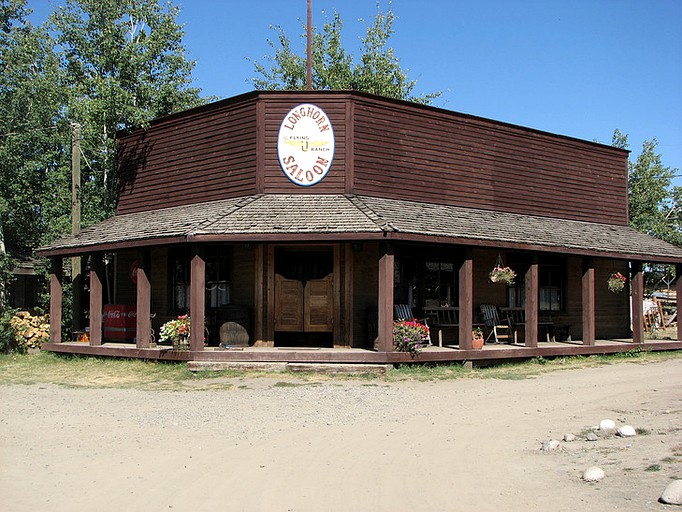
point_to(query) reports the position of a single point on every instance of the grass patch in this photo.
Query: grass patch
(653, 467)
(643, 431)
(101, 372)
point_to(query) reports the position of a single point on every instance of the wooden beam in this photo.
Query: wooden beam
(269, 340)
(96, 274)
(532, 303)
(56, 290)
(466, 300)
(338, 341)
(637, 281)
(589, 326)
(348, 294)
(386, 270)
(197, 301)
(349, 164)
(259, 295)
(143, 326)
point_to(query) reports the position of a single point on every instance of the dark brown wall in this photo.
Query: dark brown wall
(203, 155)
(384, 148)
(450, 158)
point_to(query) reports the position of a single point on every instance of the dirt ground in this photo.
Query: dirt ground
(281, 444)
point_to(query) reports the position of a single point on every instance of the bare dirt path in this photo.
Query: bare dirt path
(340, 445)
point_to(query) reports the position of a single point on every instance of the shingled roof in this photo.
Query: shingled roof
(285, 217)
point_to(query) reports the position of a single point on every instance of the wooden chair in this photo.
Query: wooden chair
(442, 317)
(495, 327)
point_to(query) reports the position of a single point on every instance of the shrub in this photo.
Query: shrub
(410, 336)
(28, 331)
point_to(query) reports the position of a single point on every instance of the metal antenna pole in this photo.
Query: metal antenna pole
(309, 49)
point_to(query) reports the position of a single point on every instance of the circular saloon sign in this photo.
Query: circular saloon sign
(305, 145)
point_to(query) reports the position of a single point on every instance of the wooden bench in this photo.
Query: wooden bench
(440, 317)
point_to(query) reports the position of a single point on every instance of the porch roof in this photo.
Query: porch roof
(317, 217)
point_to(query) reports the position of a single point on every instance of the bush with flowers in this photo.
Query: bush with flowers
(502, 275)
(177, 332)
(616, 282)
(410, 336)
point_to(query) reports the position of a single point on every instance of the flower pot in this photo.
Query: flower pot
(181, 343)
(476, 340)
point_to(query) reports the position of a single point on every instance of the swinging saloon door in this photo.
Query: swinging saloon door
(304, 291)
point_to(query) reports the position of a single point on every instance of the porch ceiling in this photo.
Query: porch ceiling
(315, 217)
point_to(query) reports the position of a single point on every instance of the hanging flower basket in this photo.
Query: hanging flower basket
(616, 282)
(502, 275)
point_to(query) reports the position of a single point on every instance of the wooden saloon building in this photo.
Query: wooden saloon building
(289, 224)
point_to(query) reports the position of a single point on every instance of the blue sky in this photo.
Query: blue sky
(580, 68)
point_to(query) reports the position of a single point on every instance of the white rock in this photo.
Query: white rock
(591, 436)
(607, 425)
(673, 493)
(550, 446)
(593, 474)
(626, 431)
(569, 438)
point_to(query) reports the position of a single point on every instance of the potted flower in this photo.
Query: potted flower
(176, 332)
(501, 274)
(477, 338)
(616, 282)
(410, 336)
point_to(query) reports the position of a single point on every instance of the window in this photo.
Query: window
(218, 267)
(218, 263)
(550, 292)
(419, 282)
(439, 283)
(180, 274)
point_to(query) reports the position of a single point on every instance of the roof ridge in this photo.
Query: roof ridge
(241, 203)
(372, 215)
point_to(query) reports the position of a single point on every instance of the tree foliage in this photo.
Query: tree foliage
(31, 124)
(655, 206)
(377, 71)
(124, 63)
(104, 64)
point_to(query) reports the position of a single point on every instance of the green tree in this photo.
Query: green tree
(651, 199)
(124, 64)
(31, 131)
(377, 71)
(655, 206)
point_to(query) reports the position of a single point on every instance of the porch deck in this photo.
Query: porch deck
(448, 353)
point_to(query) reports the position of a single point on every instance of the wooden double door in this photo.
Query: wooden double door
(304, 291)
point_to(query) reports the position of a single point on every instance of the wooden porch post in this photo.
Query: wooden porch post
(385, 324)
(532, 303)
(588, 302)
(197, 302)
(678, 289)
(96, 273)
(466, 300)
(56, 286)
(259, 295)
(143, 327)
(637, 280)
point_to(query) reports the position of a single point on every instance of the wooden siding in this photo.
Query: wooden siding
(229, 149)
(450, 158)
(202, 155)
(274, 179)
